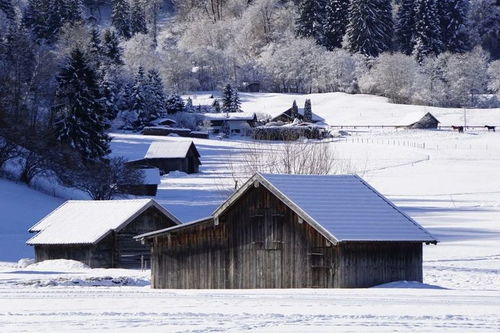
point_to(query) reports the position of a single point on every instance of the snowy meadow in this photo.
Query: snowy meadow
(447, 181)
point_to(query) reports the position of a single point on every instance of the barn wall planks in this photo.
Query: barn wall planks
(260, 243)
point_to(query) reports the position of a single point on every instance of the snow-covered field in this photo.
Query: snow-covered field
(449, 182)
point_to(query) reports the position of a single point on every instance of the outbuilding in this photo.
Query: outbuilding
(171, 156)
(149, 185)
(428, 121)
(99, 233)
(292, 231)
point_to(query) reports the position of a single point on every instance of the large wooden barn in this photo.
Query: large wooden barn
(292, 231)
(171, 156)
(99, 233)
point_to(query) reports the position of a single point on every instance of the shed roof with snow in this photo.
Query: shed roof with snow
(170, 149)
(342, 208)
(87, 221)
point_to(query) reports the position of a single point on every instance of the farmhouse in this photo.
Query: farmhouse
(170, 156)
(292, 231)
(231, 123)
(288, 117)
(99, 233)
(428, 121)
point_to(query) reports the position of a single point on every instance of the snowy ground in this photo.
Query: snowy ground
(449, 182)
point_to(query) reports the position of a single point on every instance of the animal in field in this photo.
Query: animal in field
(460, 129)
(490, 128)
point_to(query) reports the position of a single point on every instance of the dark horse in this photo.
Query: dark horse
(460, 129)
(490, 128)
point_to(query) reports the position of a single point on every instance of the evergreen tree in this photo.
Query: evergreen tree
(235, 102)
(138, 100)
(295, 110)
(35, 18)
(8, 9)
(370, 27)
(138, 18)
(453, 21)
(227, 98)
(156, 95)
(189, 105)
(336, 20)
(111, 48)
(405, 26)
(427, 30)
(80, 119)
(95, 48)
(174, 104)
(73, 11)
(307, 111)
(311, 20)
(120, 17)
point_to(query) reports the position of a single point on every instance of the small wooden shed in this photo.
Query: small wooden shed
(292, 231)
(99, 233)
(428, 121)
(288, 117)
(171, 156)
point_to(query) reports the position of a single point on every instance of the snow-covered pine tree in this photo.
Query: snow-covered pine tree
(36, 19)
(156, 95)
(405, 26)
(427, 30)
(311, 20)
(111, 48)
(138, 18)
(120, 17)
(95, 48)
(453, 24)
(174, 104)
(227, 98)
(138, 100)
(235, 101)
(107, 88)
(336, 20)
(370, 27)
(80, 119)
(484, 25)
(295, 110)
(73, 11)
(307, 111)
(189, 105)
(8, 9)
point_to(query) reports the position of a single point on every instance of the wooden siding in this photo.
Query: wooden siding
(118, 249)
(260, 243)
(189, 164)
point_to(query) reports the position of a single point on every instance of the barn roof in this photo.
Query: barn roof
(170, 149)
(87, 221)
(340, 207)
(231, 116)
(343, 208)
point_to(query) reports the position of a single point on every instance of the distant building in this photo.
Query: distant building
(292, 231)
(99, 233)
(287, 117)
(232, 122)
(171, 156)
(428, 121)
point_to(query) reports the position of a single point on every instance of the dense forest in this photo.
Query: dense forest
(71, 69)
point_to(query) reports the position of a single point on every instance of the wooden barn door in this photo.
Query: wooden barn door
(268, 236)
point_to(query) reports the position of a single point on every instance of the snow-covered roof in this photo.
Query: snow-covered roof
(341, 207)
(168, 149)
(231, 116)
(87, 221)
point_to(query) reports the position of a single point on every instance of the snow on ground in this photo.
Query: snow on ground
(447, 181)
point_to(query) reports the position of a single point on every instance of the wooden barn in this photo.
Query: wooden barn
(149, 185)
(99, 233)
(428, 121)
(171, 156)
(292, 231)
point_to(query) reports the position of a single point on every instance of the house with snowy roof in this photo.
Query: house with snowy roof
(292, 231)
(99, 233)
(170, 156)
